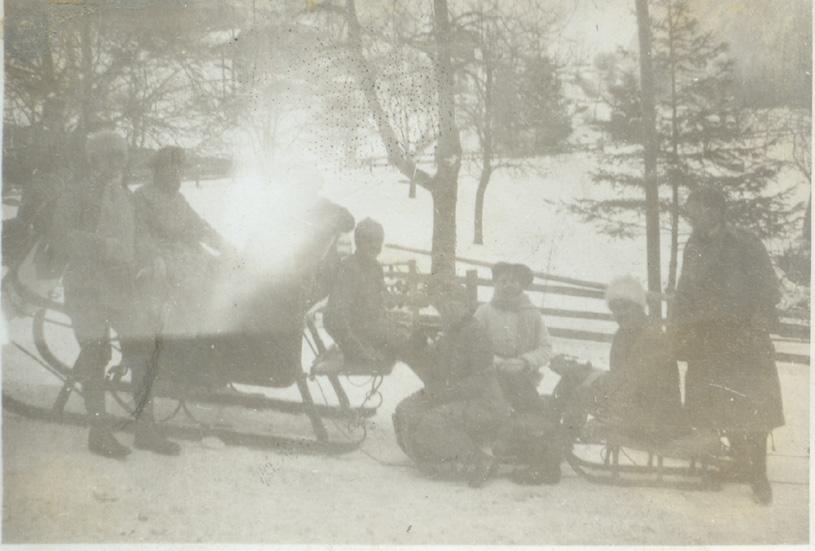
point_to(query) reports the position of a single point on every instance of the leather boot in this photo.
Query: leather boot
(100, 438)
(149, 437)
(102, 442)
(762, 491)
(482, 468)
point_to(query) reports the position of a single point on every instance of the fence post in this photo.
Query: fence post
(472, 287)
(413, 292)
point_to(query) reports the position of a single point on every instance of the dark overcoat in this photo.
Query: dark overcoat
(462, 395)
(721, 320)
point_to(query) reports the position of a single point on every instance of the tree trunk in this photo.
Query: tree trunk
(443, 186)
(650, 148)
(486, 146)
(443, 257)
(87, 72)
(675, 170)
(674, 261)
(448, 151)
(483, 182)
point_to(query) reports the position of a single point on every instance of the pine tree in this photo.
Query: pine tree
(705, 136)
(548, 122)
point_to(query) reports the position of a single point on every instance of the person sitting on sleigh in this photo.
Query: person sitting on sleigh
(642, 387)
(355, 315)
(521, 347)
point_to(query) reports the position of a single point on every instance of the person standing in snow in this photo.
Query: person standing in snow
(96, 230)
(177, 233)
(167, 211)
(722, 315)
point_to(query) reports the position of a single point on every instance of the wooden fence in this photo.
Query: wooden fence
(791, 329)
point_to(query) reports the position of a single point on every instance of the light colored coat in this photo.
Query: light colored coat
(517, 332)
(503, 327)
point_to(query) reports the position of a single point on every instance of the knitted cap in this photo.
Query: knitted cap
(369, 229)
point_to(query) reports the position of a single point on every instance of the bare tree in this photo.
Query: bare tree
(159, 77)
(435, 42)
(511, 99)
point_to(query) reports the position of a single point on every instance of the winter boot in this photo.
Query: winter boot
(740, 470)
(148, 437)
(481, 469)
(762, 491)
(102, 442)
(100, 438)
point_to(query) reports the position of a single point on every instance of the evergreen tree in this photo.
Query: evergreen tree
(547, 120)
(705, 137)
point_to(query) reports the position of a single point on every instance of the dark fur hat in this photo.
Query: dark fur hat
(522, 272)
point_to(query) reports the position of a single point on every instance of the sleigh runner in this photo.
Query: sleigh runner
(223, 370)
(603, 452)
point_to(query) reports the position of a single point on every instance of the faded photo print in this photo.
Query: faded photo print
(380, 272)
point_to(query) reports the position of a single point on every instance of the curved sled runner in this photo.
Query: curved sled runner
(602, 454)
(271, 362)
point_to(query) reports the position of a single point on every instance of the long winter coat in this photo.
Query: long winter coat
(643, 384)
(96, 231)
(461, 387)
(355, 313)
(721, 318)
(459, 366)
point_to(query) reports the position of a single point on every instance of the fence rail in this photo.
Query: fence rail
(791, 330)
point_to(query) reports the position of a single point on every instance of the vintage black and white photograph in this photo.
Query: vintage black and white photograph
(429, 272)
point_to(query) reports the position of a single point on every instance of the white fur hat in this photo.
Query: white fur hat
(626, 288)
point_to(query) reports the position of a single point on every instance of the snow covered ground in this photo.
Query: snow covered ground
(55, 491)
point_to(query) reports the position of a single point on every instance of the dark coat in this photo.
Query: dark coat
(643, 384)
(461, 367)
(462, 395)
(355, 313)
(721, 320)
(171, 219)
(175, 232)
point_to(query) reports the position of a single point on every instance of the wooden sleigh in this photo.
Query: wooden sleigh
(603, 453)
(222, 369)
